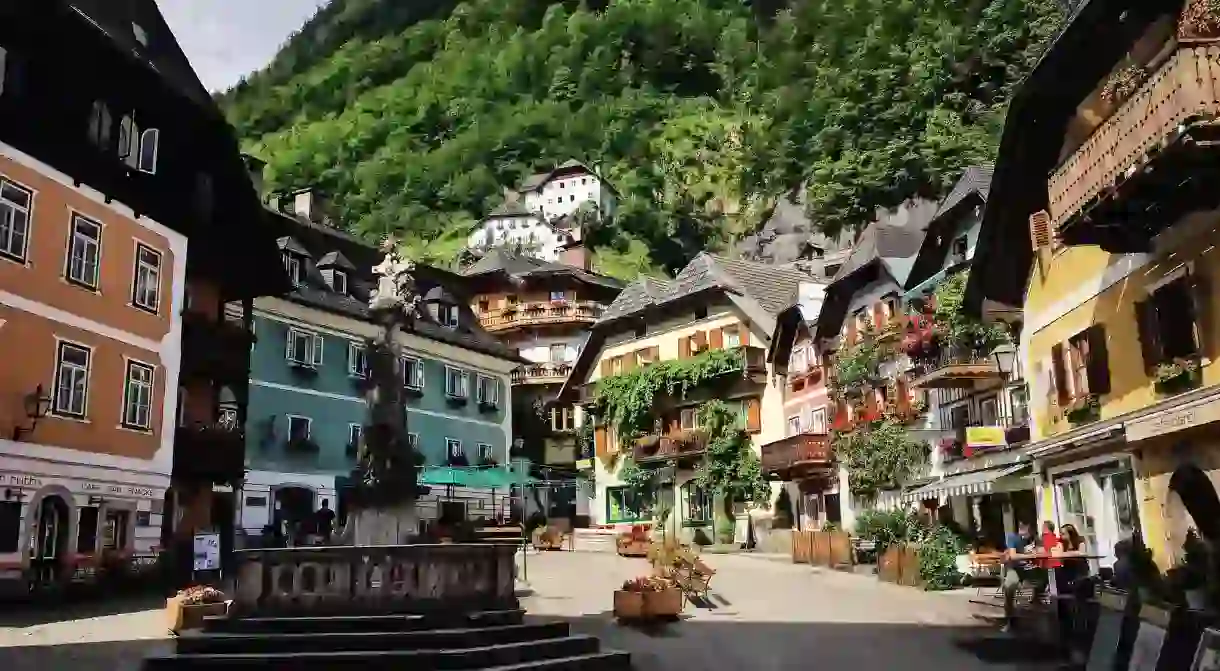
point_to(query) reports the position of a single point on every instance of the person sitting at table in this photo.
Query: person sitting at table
(1020, 570)
(1050, 544)
(1071, 540)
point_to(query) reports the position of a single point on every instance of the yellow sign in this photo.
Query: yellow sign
(584, 465)
(985, 436)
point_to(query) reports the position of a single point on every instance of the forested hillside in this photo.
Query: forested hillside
(413, 115)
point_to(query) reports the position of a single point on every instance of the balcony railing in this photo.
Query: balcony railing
(215, 349)
(794, 456)
(753, 362)
(542, 373)
(954, 369)
(533, 314)
(209, 453)
(657, 449)
(987, 434)
(1181, 90)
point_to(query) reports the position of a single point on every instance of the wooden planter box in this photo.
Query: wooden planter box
(183, 617)
(628, 605)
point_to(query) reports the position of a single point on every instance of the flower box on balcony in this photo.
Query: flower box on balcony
(1083, 410)
(1177, 376)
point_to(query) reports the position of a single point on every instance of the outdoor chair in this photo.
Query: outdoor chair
(693, 577)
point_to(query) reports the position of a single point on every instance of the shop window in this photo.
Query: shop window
(86, 531)
(697, 502)
(625, 505)
(1167, 324)
(10, 525)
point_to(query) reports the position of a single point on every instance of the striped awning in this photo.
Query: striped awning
(972, 483)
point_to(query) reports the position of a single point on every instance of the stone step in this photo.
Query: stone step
(361, 623)
(607, 660)
(370, 640)
(528, 653)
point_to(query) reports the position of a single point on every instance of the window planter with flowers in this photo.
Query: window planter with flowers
(856, 367)
(1083, 410)
(1177, 376)
(1200, 19)
(955, 328)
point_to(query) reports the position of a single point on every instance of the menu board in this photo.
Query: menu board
(207, 552)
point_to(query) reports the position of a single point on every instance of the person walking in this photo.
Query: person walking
(324, 522)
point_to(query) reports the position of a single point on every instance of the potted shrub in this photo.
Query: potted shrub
(1083, 409)
(1176, 376)
(188, 608)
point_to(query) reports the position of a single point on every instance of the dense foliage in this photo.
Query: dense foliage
(956, 328)
(878, 456)
(414, 115)
(731, 469)
(937, 545)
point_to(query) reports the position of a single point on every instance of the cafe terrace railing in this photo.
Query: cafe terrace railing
(530, 314)
(375, 579)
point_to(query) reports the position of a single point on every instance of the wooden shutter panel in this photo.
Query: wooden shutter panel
(745, 335)
(903, 400)
(1200, 296)
(1149, 334)
(1058, 379)
(600, 447)
(675, 423)
(684, 347)
(717, 337)
(1040, 229)
(753, 415)
(605, 368)
(878, 316)
(699, 340)
(851, 329)
(1098, 362)
(654, 353)
(628, 362)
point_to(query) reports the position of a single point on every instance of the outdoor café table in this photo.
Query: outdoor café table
(1042, 556)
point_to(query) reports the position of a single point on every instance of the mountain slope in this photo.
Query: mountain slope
(699, 111)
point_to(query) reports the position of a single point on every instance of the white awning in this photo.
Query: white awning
(975, 482)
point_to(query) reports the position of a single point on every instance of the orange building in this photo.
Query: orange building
(110, 160)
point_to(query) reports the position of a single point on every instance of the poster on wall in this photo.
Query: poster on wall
(1147, 650)
(207, 552)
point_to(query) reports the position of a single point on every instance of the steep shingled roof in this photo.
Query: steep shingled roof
(520, 266)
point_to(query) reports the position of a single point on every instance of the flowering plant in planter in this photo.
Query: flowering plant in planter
(1123, 83)
(1082, 409)
(1200, 18)
(201, 594)
(1176, 376)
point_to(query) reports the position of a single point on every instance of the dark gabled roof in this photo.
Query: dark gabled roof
(323, 241)
(513, 208)
(118, 20)
(1097, 36)
(971, 188)
(503, 265)
(287, 243)
(885, 250)
(335, 260)
(636, 296)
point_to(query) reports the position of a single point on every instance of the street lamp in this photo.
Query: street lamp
(1005, 358)
(36, 405)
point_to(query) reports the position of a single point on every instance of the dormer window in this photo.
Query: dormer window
(447, 315)
(339, 282)
(292, 263)
(138, 149)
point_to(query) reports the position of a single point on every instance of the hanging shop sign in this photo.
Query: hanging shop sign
(985, 436)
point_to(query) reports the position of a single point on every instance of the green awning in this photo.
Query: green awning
(441, 476)
(479, 478)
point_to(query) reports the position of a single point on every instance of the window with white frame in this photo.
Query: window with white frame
(794, 425)
(558, 353)
(732, 338)
(354, 433)
(412, 373)
(817, 420)
(304, 348)
(84, 250)
(146, 287)
(447, 315)
(15, 204)
(558, 296)
(292, 263)
(489, 391)
(299, 427)
(137, 396)
(798, 362)
(486, 452)
(563, 418)
(453, 447)
(71, 379)
(455, 382)
(357, 360)
(338, 281)
(688, 418)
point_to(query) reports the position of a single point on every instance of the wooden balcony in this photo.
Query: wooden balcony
(542, 373)
(949, 369)
(1151, 161)
(680, 446)
(797, 457)
(740, 381)
(538, 314)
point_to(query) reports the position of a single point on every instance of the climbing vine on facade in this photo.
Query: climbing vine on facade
(730, 469)
(625, 401)
(879, 456)
(857, 364)
(955, 327)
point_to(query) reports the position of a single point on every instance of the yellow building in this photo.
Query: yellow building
(1118, 289)
(713, 307)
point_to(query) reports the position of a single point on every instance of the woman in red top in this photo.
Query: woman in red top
(1050, 542)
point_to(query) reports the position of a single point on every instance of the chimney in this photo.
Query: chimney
(309, 203)
(254, 167)
(574, 253)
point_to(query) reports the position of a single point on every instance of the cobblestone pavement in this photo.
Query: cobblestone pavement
(765, 615)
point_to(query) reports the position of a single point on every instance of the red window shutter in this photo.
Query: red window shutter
(717, 337)
(1040, 229)
(654, 354)
(684, 347)
(600, 447)
(699, 340)
(851, 330)
(1058, 375)
(753, 415)
(745, 335)
(903, 400)
(878, 316)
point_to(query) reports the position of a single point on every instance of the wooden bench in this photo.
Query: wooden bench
(693, 577)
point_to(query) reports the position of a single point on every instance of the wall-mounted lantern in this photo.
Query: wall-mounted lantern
(36, 406)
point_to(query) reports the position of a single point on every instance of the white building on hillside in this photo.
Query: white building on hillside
(563, 190)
